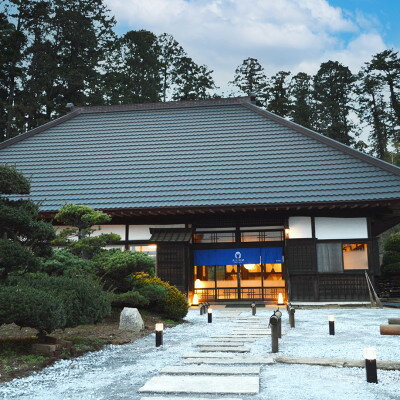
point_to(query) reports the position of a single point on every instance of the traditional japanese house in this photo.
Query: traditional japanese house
(235, 203)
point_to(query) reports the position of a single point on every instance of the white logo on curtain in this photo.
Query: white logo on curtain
(238, 258)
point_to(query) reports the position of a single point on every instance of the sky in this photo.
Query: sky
(293, 35)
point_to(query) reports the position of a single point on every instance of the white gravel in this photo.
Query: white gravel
(117, 372)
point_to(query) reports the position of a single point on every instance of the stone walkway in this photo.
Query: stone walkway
(215, 365)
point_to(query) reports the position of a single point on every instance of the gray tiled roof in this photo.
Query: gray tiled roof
(197, 154)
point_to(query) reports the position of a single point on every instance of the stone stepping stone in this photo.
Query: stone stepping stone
(253, 332)
(186, 398)
(230, 361)
(209, 355)
(210, 369)
(206, 384)
(219, 349)
(220, 344)
(232, 338)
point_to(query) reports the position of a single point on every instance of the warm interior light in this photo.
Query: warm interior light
(331, 318)
(370, 353)
(195, 301)
(249, 266)
(280, 299)
(287, 233)
(209, 310)
(197, 284)
(159, 327)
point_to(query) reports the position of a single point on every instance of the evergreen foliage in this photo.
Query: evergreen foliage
(391, 255)
(301, 93)
(250, 78)
(278, 94)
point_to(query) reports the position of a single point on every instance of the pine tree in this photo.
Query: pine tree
(278, 94)
(136, 73)
(301, 94)
(170, 55)
(333, 90)
(374, 111)
(387, 66)
(192, 81)
(250, 78)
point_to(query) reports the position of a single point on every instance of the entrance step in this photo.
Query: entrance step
(210, 369)
(206, 384)
(220, 349)
(229, 361)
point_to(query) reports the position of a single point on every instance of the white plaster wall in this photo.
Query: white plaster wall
(118, 229)
(142, 232)
(300, 228)
(341, 228)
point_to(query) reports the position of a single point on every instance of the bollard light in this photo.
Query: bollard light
(370, 364)
(253, 308)
(273, 323)
(195, 301)
(279, 315)
(331, 319)
(291, 317)
(280, 299)
(159, 334)
(209, 311)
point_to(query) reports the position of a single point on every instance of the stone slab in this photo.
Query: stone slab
(230, 361)
(220, 349)
(202, 384)
(208, 355)
(210, 369)
(186, 398)
(220, 344)
(232, 338)
(252, 332)
(335, 362)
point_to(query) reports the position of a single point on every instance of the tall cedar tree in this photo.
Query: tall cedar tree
(333, 90)
(192, 81)
(301, 94)
(170, 55)
(387, 66)
(12, 43)
(135, 75)
(250, 78)
(278, 94)
(373, 110)
(22, 237)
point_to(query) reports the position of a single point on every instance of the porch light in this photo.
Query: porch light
(249, 266)
(280, 299)
(287, 233)
(197, 284)
(195, 301)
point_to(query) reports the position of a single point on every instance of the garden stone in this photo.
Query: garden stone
(130, 320)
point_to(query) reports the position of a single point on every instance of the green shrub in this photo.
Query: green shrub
(175, 306)
(64, 263)
(115, 266)
(31, 307)
(391, 269)
(155, 294)
(83, 300)
(129, 299)
(391, 255)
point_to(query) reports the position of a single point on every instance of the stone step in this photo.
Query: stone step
(221, 344)
(206, 384)
(210, 369)
(229, 361)
(252, 332)
(208, 355)
(219, 349)
(186, 398)
(232, 338)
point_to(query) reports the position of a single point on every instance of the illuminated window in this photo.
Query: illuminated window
(261, 236)
(355, 256)
(150, 250)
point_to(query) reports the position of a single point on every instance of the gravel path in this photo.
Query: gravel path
(117, 372)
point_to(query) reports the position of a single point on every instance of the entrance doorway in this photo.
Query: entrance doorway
(239, 282)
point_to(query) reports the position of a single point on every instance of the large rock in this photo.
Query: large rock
(130, 320)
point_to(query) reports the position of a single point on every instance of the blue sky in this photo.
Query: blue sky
(294, 35)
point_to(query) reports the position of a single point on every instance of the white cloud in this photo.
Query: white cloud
(290, 35)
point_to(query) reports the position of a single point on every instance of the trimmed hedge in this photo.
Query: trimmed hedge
(391, 256)
(130, 299)
(175, 305)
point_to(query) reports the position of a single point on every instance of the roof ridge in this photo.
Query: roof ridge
(326, 140)
(166, 105)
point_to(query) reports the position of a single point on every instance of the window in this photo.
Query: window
(150, 250)
(261, 236)
(214, 237)
(335, 257)
(355, 256)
